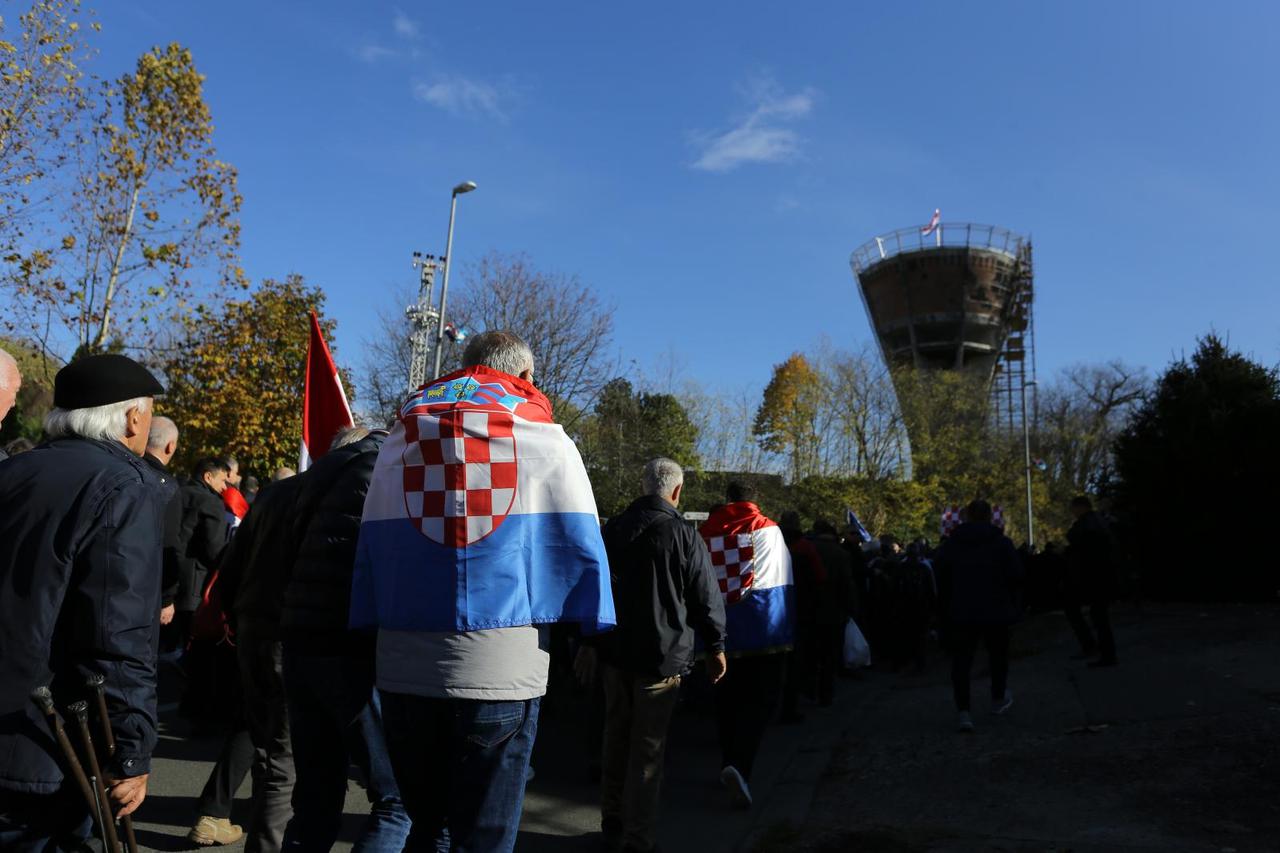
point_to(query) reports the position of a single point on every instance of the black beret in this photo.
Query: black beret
(97, 380)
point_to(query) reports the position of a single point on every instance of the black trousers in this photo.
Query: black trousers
(745, 700)
(1101, 640)
(964, 645)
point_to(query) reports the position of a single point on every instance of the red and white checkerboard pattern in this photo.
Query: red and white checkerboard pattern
(459, 473)
(951, 518)
(734, 558)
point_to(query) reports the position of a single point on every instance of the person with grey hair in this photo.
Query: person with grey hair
(510, 524)
(502, 351)
(666, 593)
(10, 383)
(80, 570)
(162, 444)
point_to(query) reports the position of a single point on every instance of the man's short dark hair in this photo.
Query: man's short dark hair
(1082, 502)
(822, 527)
(738, 490)
(229, 461)
(978, 511)
(208, 465)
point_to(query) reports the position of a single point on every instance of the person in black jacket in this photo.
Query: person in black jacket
(162, 444)
(836, 606)
(252, 576)
(979, 578)
(1091, 579)
(201, 537)
(665, 591)
(335, 718)
(211, 699)
(81, 521)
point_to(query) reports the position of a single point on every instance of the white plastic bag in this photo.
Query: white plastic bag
(857, 654)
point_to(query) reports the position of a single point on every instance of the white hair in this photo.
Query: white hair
(8, 370)
(661, 476)
(106, 423)
(163, 431)
(502, 351)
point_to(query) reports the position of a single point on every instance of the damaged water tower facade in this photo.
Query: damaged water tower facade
(956, 296)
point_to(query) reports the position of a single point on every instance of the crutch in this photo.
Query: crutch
(80, 710)
(44, 701)
(94, 683)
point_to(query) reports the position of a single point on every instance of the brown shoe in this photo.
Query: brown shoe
(215, 830)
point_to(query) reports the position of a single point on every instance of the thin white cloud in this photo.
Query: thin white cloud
(405, 26)
(762, 136)
(372, 53)
(462, 96)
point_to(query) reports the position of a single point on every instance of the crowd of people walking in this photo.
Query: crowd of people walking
(392, 607)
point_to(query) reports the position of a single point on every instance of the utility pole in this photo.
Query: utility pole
(1026, 452)
(464, 187)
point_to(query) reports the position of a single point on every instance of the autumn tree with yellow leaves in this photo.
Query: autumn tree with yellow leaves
(236, 380)
(42, 99)
(150, 230)
(787, 420)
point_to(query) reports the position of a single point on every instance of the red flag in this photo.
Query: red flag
(324, 404)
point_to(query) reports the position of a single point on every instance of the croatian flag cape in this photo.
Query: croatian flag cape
(479, 515)
(754, 568)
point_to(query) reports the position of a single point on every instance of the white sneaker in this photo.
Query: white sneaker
(999, 706)
(739, 793)
(964, 723)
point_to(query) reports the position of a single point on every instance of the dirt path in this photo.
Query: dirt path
(1177, 749)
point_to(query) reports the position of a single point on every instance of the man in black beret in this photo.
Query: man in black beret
(81, 529)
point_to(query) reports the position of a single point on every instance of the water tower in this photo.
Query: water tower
(955, 297)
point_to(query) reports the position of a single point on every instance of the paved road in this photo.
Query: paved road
(561, 807)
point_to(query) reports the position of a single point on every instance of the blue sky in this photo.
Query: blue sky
(708, 167)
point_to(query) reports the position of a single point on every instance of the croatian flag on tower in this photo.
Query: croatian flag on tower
(933, 222)
(324, 404)
(753, 565)
(479, 515)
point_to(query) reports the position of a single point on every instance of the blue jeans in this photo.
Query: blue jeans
(461, 765)
(335, 721)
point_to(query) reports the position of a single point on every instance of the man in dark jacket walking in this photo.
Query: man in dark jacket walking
(979, 575)
(335, 717)
(665, 592)
(81, 520)
(1091, 579)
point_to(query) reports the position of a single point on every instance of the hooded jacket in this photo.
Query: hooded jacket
(664, 591)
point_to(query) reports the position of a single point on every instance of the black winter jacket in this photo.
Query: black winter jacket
(1089, 559)
(81, 525)
(201, 539)
(979, 576)
(172, 552)
(330, 502)
(256, 566)
(664, 590)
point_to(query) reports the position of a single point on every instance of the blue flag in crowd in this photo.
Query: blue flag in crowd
(851, 519)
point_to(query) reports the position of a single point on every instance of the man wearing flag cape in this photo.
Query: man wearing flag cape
(753, 565)
(479, 530)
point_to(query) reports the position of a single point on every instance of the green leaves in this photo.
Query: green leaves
(236, 378)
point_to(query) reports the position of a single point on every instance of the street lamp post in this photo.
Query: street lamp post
(464, 187)
(1026, 450)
